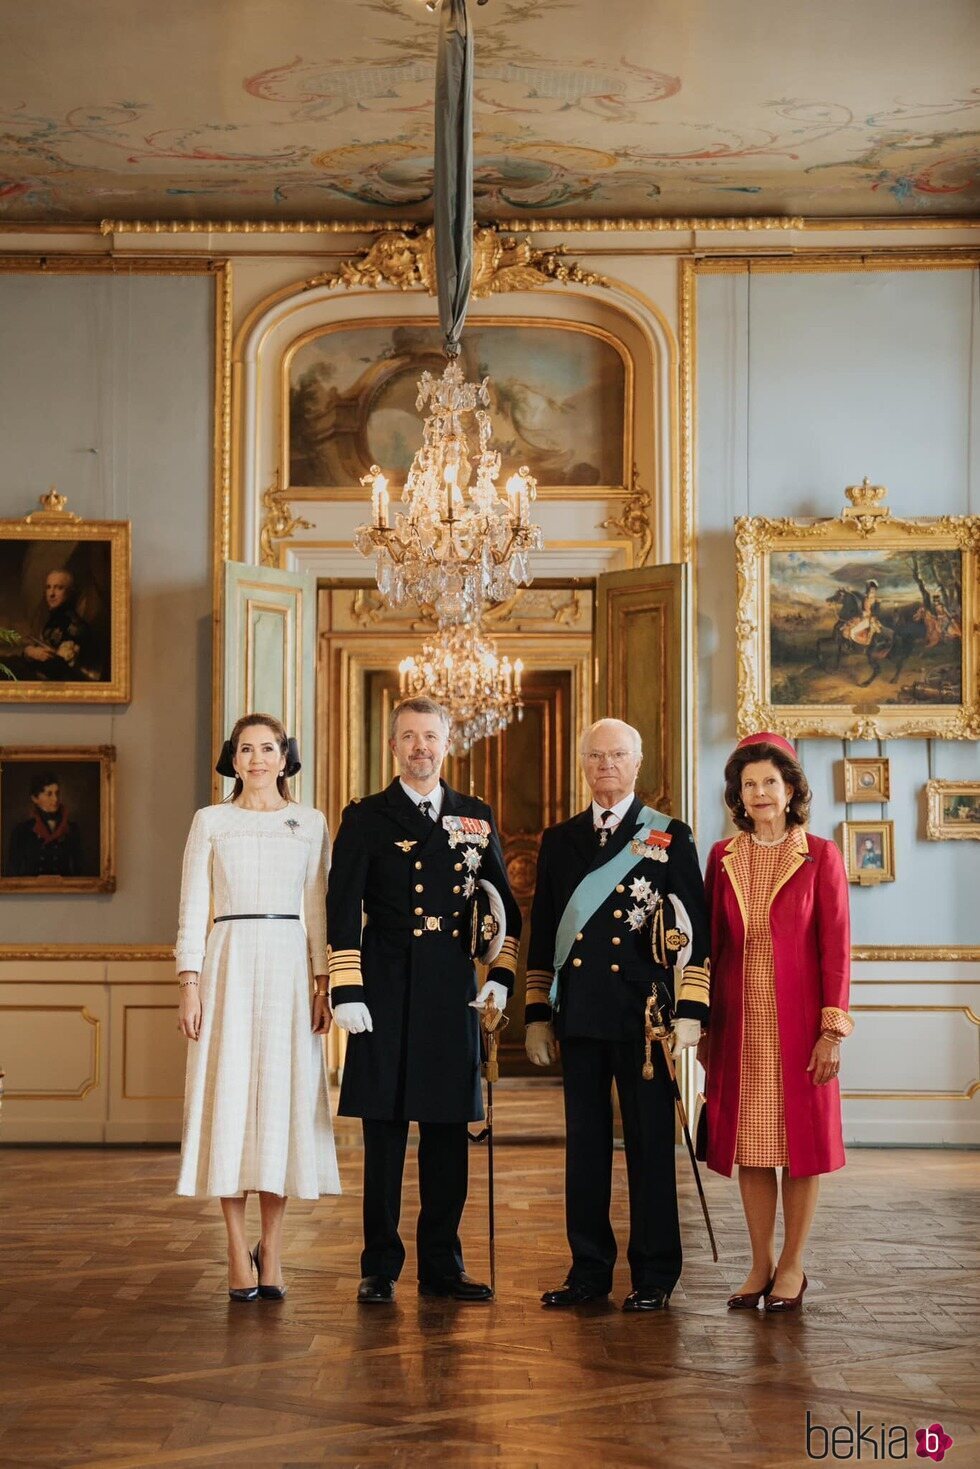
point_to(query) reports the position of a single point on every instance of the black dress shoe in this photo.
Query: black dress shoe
(376, 1290)
(651, 1298)
(456, 1288)
(573, 1295)
(248, 1292)
(267, 1292)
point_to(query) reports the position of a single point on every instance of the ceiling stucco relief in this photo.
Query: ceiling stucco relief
(303, 109)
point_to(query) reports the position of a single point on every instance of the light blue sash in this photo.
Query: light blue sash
(596, 886)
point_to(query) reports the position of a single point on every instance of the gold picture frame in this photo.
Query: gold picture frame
(862, 627)
(65, 595)
(867, 779)
(58, 816)
(869, 851)
(350, 414)
(953, 810)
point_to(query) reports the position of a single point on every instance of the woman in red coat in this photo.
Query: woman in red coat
(780, 962)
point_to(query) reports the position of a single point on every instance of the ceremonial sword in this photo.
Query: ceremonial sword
(654, 1029)
(492, 1021)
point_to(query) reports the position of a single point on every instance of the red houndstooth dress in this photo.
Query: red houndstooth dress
(761, 1120)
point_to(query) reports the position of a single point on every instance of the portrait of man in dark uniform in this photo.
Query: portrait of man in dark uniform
(66, 648)
(48, 843)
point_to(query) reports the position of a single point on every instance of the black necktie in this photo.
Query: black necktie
(426, 809)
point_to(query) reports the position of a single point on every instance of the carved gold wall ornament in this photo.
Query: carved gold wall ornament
(280, 524)
(406, 261)
(803, 666)
(634, 521)
(52, 510)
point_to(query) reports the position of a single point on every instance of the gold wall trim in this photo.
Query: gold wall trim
(164, 953)
(67, 264)
(225, 510)
(87, 1086)
(840, 258)
(87, 953)
(914, 954)
(599, 224)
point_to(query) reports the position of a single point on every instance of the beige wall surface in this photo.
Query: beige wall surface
(106, 391)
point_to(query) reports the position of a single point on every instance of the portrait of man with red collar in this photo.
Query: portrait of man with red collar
(48, 843)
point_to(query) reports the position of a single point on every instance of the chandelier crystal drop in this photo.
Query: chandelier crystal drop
(460, 543)
(463, 671)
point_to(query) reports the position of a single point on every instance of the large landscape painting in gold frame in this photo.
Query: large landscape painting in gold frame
(863, 626)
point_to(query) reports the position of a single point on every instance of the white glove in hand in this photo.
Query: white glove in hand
(539, 1043)
(499, 992)
(353, 1016)
(686, 1033)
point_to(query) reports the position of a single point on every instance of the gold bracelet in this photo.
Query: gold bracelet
(183, 983)
(829, 1035)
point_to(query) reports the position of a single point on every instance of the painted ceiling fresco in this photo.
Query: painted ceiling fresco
(317, 109)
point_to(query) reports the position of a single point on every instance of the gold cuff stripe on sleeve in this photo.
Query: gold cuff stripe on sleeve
(352, 978)
(509, 947)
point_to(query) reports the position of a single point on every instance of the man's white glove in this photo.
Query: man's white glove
(539, 1042)
(499, 992)
(354, 1016)
(687, 1033)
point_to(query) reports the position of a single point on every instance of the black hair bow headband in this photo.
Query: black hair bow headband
(225, 765)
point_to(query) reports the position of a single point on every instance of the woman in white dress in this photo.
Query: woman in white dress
(256, 1112)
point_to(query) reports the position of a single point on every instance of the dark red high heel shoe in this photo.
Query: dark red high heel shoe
(775, 1305)
(749, 1300)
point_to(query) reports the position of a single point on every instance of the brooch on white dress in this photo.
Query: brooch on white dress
(293, 824)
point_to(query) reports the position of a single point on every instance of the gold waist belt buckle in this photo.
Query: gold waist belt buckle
(427, 923)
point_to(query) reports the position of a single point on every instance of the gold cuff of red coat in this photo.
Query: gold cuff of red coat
(345, 967)
(507, 958)
(695, 983)
(835, 1022)
(539, 982)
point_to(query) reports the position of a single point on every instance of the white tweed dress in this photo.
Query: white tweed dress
(256, 1111)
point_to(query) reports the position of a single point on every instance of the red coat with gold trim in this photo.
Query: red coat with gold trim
(811, 941)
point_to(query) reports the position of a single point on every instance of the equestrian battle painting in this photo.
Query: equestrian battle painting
(861, 626)
(855, 625)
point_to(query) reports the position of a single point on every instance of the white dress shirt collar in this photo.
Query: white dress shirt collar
(618, 812)
(434, 797)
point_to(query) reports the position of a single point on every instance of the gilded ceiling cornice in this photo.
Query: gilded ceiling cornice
(676, 224)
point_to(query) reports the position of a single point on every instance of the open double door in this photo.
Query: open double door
(324, 659)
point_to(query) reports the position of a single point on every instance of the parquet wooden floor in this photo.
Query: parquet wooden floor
(119, 1348)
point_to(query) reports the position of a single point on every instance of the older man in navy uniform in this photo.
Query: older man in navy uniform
(619, 912)
(414, 858)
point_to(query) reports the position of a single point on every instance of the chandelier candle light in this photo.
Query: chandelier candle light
(462, 669)
(459, 543)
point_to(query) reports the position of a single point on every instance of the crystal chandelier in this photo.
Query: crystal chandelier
(463, 671)
(459, 543)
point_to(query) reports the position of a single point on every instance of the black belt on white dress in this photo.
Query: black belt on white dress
(228, 917)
